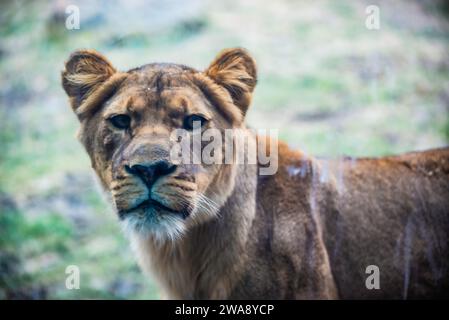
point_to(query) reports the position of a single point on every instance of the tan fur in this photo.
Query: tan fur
(307, 232)
(235, 70)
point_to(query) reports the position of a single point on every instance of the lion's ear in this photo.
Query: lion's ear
(235, 70)
(85, 71)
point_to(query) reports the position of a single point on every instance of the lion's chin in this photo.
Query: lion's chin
(156, 221)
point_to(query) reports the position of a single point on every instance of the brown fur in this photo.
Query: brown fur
(309, 231)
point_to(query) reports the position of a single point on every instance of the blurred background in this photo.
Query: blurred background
(329, 84)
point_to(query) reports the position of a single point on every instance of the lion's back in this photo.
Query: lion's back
(393, 212)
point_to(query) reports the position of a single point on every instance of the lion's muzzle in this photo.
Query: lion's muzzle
(150, 172)
(146, 183)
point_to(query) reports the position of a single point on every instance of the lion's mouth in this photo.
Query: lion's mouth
(150, 203)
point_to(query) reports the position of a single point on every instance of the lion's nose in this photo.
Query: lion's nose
(150, 172)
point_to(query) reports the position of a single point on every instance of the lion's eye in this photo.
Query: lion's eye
(120, 121)
(194, 121)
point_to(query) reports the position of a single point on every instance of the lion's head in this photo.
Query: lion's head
(127, 119)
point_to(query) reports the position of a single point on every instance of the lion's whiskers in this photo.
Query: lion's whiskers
(207, 204)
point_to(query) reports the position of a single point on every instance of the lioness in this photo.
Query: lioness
(365, 228)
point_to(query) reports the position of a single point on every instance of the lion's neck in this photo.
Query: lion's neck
(209, 259)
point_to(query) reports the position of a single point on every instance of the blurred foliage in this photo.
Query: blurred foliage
(330, 85)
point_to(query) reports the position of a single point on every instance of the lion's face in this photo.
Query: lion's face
(128, 121)
(133, 132)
